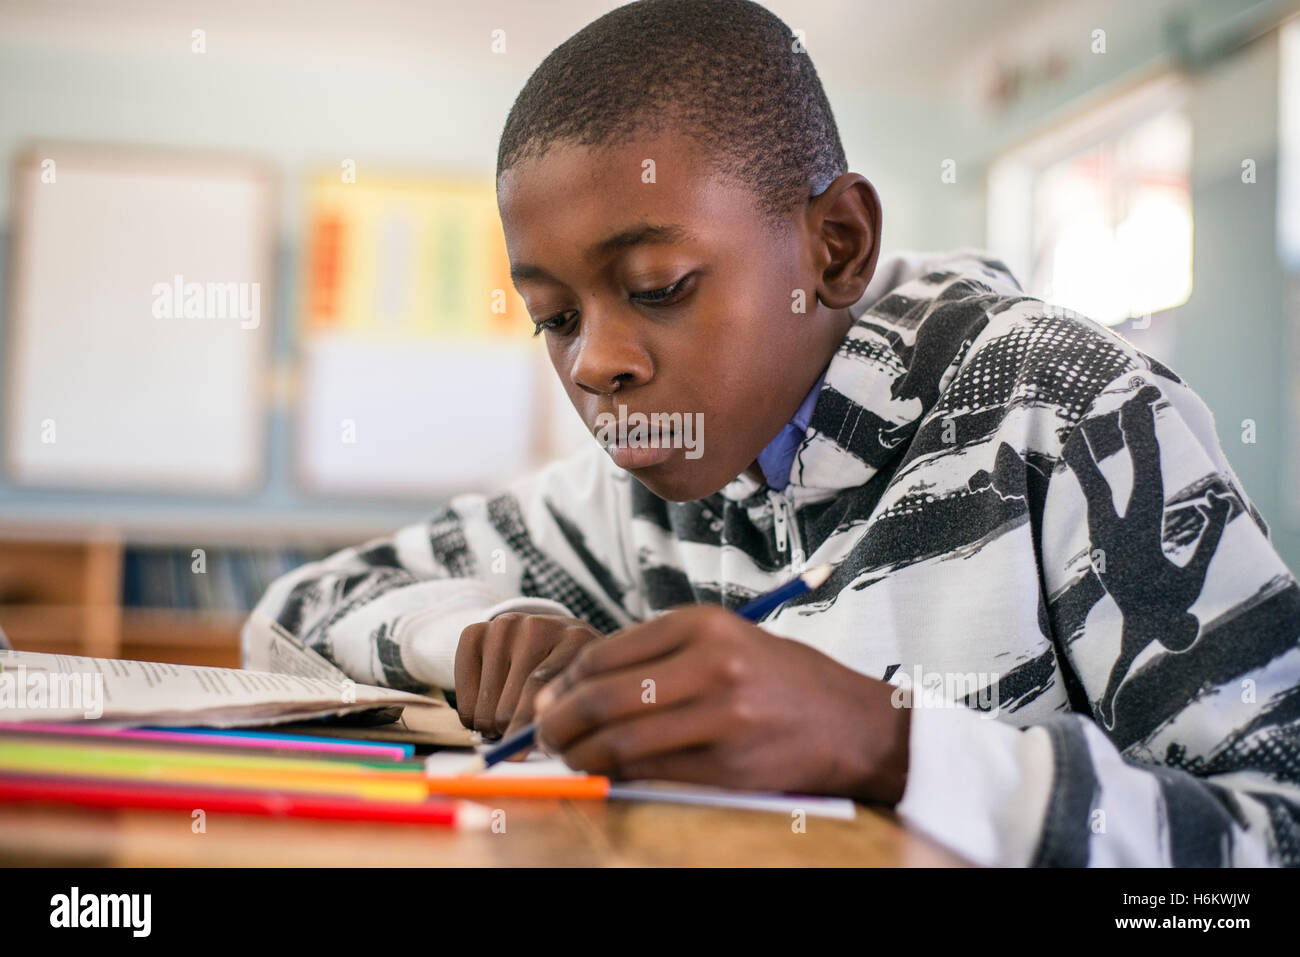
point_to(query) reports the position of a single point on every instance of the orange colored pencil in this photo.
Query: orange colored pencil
(487, 785)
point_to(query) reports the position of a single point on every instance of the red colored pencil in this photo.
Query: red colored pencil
(83, 793)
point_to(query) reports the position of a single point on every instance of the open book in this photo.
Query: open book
(295, 684)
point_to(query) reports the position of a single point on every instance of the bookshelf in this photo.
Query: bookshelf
(62, 597)
(87, 595)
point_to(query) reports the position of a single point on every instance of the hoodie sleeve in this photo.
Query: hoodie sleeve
(390, 612)
(1176, 626)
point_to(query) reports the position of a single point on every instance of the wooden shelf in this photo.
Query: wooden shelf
(182, 637)
(62, 597)
(41, 627)
(65, 598)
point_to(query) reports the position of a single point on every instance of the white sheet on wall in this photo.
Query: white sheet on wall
(105, 390)
(566, 430)
(420, 418)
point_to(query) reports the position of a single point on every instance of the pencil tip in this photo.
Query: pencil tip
(474, 765)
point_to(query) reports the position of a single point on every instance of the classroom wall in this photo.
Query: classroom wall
(300, 111)
(391, 89)
(1234, 342)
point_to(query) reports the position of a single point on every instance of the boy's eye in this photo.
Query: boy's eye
(659, 295)
(652, 297)
(553, 323)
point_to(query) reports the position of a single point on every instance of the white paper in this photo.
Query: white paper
(416, 417)
(536, 764)
(673, 793)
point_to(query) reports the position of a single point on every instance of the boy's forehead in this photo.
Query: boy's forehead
(589, 194)
(637, 171)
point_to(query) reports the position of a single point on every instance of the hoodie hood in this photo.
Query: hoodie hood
(919, 314)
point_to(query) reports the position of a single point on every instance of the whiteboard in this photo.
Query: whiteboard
(112, 379)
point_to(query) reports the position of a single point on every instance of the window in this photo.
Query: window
(1288, 144)
(1096, 215)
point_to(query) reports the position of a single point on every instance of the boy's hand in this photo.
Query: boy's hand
(501, 665)
(702, 695)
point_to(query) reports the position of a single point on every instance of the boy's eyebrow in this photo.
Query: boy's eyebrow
(645, 233)
(635, 236)
(522, 271)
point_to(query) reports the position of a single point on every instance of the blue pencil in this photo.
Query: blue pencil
(408, 750)
(753, 610)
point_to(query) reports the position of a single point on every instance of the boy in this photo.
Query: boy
(1015, 501)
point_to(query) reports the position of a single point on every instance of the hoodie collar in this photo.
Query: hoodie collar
(885, 377)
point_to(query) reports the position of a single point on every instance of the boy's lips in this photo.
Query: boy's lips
(651, 448)
(631, 457)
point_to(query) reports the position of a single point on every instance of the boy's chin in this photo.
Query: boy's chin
(678, 482)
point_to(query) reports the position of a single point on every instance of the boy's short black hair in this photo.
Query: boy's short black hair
(728, 73)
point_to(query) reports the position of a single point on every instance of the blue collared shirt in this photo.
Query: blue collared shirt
(776, 459)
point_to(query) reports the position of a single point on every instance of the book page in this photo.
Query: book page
(122, 693)
(285, 654)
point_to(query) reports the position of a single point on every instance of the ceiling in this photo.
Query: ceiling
(897, 44)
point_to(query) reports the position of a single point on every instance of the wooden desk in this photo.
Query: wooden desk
(537, 833)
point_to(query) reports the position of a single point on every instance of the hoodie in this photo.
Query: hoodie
(1035, 537)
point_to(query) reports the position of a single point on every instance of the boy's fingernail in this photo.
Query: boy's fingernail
(544, 699)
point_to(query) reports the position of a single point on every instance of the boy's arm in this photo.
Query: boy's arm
(1176, 626)
(390, 612)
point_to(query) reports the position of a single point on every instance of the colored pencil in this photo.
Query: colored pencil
(253, 740)
(375, 750)
(129, 762)
(98, 794)
(578, 787)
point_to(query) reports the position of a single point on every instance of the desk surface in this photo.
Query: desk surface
(537, 833)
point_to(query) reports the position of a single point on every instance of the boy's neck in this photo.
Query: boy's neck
(837, 329)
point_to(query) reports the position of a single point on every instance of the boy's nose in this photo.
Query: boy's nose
(610, 356)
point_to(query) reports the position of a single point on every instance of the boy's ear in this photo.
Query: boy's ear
(845, 221)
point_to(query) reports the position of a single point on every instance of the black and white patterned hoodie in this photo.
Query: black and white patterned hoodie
(1036, 537)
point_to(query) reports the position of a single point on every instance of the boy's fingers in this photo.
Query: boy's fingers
(548, 694)
(492, 678)
(469, 664)
(625, 749)
(608, 698)
(516, 694)
(537, 679)
(691, 766)
(637, 645)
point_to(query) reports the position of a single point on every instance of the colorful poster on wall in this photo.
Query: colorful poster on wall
(404, 256)
(419, 374)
